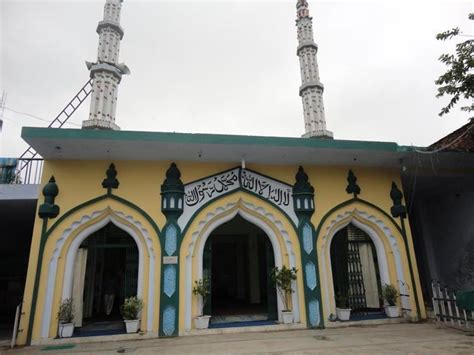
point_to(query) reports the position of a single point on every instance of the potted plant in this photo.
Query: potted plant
(66, 317)
(202, 289)
(343, 311)
(283, 279)
(390, 295)
(131, 309)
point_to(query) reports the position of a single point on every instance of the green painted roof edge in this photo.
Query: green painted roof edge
(200, 138)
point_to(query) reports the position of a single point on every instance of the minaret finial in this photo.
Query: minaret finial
(311, 90)
(106, 73)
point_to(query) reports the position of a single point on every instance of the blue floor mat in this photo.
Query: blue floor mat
(242, 324)
(95, 333)
(375, 315)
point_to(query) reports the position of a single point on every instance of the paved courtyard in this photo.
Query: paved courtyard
(404, 338)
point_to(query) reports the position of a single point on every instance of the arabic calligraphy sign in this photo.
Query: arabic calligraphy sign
(200, 192)
(206, 189)
(274, 191)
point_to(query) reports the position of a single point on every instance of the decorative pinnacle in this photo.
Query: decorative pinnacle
(173, 180)
(111, 181)
(352, 187)
(302, 184)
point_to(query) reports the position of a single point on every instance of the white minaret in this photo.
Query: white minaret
(311, 89)
(106, 73)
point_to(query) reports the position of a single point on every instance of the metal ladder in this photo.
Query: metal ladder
(25, 159)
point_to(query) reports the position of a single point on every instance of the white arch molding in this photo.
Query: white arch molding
(144, 244)
(349, 217)
(218, 217)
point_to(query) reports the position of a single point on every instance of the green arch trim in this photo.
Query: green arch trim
(98, 199)
(348, 202)
(240, 189)
(45, 233)
(401, 230)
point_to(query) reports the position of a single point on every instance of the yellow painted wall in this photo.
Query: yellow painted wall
(140, 182)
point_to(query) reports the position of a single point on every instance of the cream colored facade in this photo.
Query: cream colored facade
(135, 207)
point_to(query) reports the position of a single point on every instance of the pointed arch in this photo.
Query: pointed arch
(81, 222)
(280, 232)
(388, 242)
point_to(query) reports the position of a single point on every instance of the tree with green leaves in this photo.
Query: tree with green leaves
(458, 81)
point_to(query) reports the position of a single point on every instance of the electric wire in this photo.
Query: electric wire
(445, 146)
(36, 117)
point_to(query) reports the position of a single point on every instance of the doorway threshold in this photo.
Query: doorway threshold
(250, 323)
(95, 339)
(365, 322)
(244, 329)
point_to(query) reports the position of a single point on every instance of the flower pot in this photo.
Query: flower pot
(131, 325)
(65, 330)
(343, 314)
(392, 311)
(202, 322)
(287, 317)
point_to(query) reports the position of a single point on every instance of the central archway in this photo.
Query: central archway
(285, 249)
(238, 259)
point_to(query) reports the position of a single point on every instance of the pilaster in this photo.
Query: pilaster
(303, 203)
(172, 195)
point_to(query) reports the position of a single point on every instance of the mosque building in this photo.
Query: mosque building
(147, 214)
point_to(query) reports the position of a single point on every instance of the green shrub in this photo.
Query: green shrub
(66, 311)
(342, 301)
(390, 294)
(131, 308)
(202, 288)
(282, 279)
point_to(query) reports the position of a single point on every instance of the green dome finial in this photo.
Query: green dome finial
(352, 187)
(397, 210)
(173, 180)
(48, 209)
(111, 181)
(302, 184)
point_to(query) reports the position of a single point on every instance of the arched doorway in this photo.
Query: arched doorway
(238, 258)
(272, 222)
(355, 272)
(105, 273)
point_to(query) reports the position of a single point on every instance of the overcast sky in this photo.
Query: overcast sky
(231, 67)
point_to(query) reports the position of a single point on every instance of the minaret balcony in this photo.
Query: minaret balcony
(105, 67)
(112, 25)
(311, 84)
(306, 44)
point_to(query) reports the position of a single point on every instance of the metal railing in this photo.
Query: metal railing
(447, 310)
(31, 174)
(30, 155)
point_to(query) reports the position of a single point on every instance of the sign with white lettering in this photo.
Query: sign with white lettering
(198, 193)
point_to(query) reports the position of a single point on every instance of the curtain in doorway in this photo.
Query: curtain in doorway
(369, 275)
(78, 285)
